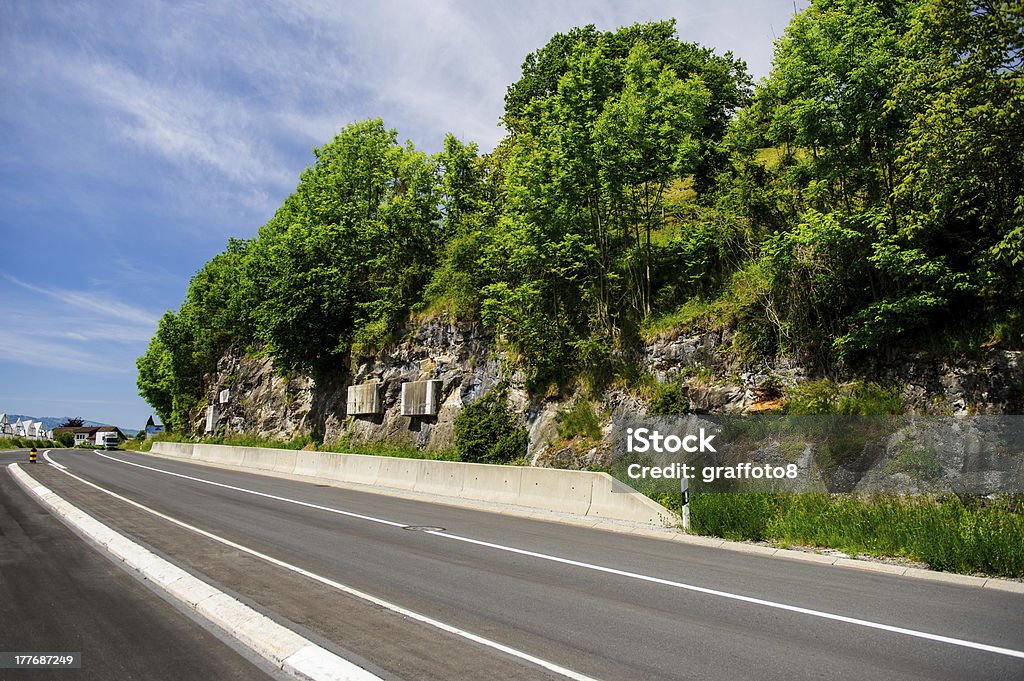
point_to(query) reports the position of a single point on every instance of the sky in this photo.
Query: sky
(137, 137)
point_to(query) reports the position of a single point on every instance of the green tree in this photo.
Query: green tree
(156, 379)
(348, 253)
(646, 137)
(599, 124)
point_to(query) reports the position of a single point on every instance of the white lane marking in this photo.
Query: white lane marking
(737, 597)
(280, 646)
(260, 494)
(550, 666)
(46, 455)
(646, 578)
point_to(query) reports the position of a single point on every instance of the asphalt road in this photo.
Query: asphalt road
(58, 595)
(547, 599)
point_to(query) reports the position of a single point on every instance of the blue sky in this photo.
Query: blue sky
(136, 137)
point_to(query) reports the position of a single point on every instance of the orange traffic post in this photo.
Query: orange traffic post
(32, 455)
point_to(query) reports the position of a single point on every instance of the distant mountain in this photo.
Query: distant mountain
(51, 422)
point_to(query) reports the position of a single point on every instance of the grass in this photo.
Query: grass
(947, 533)
(345, 446)
(729, 309)
(859, 398)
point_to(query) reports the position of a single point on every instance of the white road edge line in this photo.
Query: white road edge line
(279, 645)
(550, 666)
(46, 455)
(631, 575)
(737, 597)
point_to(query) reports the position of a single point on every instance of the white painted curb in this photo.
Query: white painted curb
(279, 645)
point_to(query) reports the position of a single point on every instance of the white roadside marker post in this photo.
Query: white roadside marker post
(684, 487)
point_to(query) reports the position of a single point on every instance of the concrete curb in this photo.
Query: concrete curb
(638, 529)
(282, 647)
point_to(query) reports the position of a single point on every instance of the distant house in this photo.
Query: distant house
(6, 429)
(21, 428)
(153, 428)
(82, 434)
(90, 434)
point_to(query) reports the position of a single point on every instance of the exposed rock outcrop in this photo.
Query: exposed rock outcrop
(262, 402)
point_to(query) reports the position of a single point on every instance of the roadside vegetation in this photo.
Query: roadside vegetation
(967, 535)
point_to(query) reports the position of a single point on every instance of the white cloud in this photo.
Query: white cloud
(76, 331)
(76, 301)
(25, 347)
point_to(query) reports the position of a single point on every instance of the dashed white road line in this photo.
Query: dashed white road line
(608, 570)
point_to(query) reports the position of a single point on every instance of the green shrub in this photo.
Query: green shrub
(669, 399)
(860, 398)
(578, 420)
(486, 431)
(919, 463)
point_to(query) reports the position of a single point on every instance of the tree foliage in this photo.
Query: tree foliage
(866, 196)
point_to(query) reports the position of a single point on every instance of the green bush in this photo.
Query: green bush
(486, 431)
(578, 420)
(860, 398)
(919, 463)
(669, 399)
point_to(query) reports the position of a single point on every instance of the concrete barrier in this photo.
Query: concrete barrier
(552, 488)
(579, 493)
(438, 477)
(398, 473)
(498, 484)
(362, 470)
(308, 464)
(183, 450)
(625, 503)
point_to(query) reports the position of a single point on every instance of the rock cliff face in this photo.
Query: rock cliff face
(259, 401)
(265, 404)
(460, 358)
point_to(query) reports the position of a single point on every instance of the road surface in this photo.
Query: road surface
(492, 596)
(58, 595)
